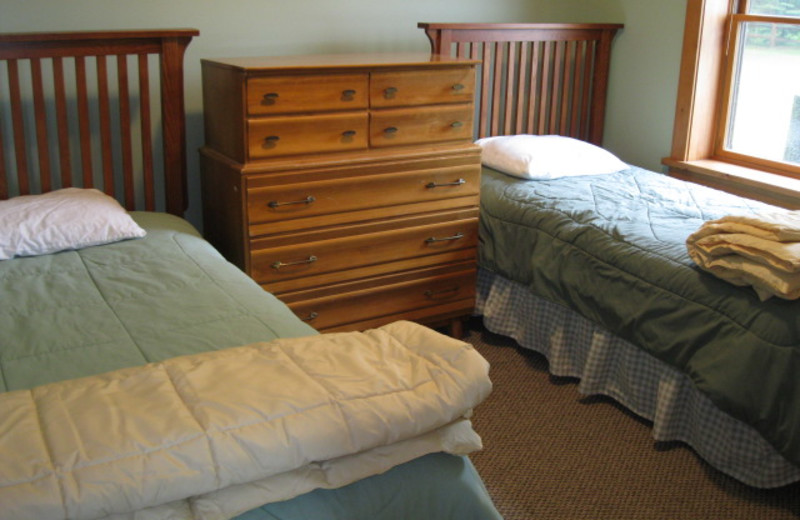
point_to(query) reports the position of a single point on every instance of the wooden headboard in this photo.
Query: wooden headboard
(534, 78)
(95, 110)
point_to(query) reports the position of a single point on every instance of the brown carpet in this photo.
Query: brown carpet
(551, 453)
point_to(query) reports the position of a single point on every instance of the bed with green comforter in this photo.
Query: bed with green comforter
(103, 308)
(612, 248)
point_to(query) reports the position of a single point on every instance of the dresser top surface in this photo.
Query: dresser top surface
(337, 61)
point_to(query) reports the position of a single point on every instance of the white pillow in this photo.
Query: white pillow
(544, 157)
(71, 218)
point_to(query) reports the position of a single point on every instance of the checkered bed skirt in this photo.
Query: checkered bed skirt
(605, 364)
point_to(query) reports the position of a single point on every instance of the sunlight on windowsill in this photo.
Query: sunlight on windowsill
(748, 182)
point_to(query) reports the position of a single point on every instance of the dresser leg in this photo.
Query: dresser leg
(457, 328)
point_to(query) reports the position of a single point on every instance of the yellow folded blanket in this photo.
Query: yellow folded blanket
(762, 251)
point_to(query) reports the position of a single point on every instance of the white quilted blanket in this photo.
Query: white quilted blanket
(215, 434)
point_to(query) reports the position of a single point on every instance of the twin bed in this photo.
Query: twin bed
(591, 271)
(585, 260)
(144, 376)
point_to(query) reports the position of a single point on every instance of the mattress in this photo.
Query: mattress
(99, 309)
(612, 248)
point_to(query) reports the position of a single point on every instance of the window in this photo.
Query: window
(737, 120)
(760, 116)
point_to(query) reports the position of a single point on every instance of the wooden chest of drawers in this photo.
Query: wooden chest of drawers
(346, 185)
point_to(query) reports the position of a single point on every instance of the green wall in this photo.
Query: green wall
(644, 66)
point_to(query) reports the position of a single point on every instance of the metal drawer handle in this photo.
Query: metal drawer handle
(310, 260)
(456, 124)
(275, 203)
(389, 92)
(390, 130)
(443, 292)
(348, 133)
(347, 95)
(270, 98)
(458, 86)
(459, 182)
(310, 316)
(457, 236)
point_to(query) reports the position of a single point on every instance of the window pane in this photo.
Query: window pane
(765, 108)
(774, 7)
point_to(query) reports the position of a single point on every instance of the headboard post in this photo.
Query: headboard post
(600, 91)
(537, 78)
(173, 115)
(76, 116)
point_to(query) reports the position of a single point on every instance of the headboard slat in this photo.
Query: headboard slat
(77, 93)
(104, 109)
(510, 74)
(40, 123)
(522, 73)
(560, 69)
(83, 122)
(146, 137)
(64, 151)
(125, 130)
(18, 127)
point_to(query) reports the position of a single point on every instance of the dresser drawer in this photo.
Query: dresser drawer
(403, 126)
(422, 87)
(298, 266)
(452, 291)
(312, 199)
(281, 136)
(306, 93)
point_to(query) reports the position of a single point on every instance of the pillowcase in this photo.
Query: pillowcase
(544, 157)
(70, 218)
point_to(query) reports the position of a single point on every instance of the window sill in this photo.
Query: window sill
(747, 182)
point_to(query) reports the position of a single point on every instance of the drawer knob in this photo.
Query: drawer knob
(348, 134)
(432, 240)
(311, 316)
(390, 131)
(275, 203)
(456, 124)
(277, 265)
(347, 95)
(459, 182)
(389, 92)
(458, 86)
(271, 141)
(442, 293)
(270, 98)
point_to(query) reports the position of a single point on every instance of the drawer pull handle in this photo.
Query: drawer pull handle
(458, 86)
(270, 98)
(347, 95)
(389, 92)
(456, 124)
(390, 130)
(441, 293)
(277, 265)
(457, 236)
(459, 182)
(275, 203)
(311, 316)
(348, 133)
(271, 140)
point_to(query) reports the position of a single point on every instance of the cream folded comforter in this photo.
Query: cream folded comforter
(215, 434)
(761, 251)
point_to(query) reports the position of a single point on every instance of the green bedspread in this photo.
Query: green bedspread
(612, 247)
(102, 308)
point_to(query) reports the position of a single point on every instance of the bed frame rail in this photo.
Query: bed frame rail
(534, 78)
(95, 110)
